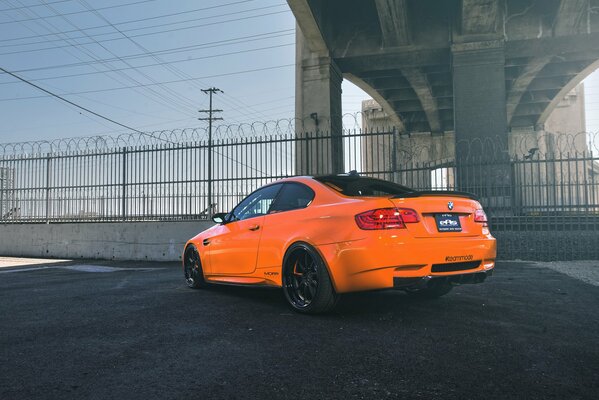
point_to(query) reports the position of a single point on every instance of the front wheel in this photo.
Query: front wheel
(306, 282)
(192, 268)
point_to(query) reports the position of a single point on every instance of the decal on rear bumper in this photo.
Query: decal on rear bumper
(469, 257)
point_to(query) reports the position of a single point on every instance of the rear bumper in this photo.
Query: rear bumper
(421, 283)
(385, 261)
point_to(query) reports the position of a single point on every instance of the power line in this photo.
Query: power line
(166, 82)
(172, 96)
(134, 36)
(116, 6)
(157, 98)
(201, 46)
(36, 5)
(172, 68)
(162, 63)
(243, 106)
(75, 104)
(92, 10)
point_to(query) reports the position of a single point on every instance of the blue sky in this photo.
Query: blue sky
(95, 53)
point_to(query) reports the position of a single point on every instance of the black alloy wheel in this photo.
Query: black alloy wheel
(192, 267)
(306, 282)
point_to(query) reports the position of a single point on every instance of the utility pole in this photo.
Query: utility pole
(210, 119)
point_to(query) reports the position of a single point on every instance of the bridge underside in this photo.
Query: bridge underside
(474, 67)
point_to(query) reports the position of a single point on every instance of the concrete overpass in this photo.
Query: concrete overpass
(479, 68)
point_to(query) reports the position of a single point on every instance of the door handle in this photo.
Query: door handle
(254, 227)
(206, 242)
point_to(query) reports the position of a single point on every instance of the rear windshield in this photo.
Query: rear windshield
(357, 186)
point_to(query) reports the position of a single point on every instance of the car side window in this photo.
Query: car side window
(292, 197)
(256, 204)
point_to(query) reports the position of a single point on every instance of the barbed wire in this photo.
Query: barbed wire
(409, 146)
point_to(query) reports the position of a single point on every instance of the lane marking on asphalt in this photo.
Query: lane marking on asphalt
(10, 262)
(10, 271)
(80, 268)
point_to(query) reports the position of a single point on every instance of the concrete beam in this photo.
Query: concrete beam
(540, 96)
(523, 121)
(413, 117)
(380, 60)
(318, 110)
(553, 46)
(530, 109)
(568, 21)
(521, 84)
(383, 102)
(571, 17)
(400, 95)
(565, 90)
(423, 90)
(480, 114)
(479, 17)
(307, 23)
(394, 22)
(397, 82)
(555, 83)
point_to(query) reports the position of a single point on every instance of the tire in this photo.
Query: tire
(306, 282)
(434, 290)
(192, 268)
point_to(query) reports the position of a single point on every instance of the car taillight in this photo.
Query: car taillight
(408, 215)
(480, 216)
(386, 218)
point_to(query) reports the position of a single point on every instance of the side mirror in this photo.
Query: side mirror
(219, 218)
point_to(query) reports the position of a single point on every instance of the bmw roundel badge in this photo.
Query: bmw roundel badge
(450, 205)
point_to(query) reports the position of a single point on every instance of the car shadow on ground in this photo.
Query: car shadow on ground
(380, 302)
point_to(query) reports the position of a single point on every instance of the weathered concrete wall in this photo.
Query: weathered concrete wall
(154, 241)
(163, 241)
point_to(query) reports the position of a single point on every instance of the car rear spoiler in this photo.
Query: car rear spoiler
(451, 193)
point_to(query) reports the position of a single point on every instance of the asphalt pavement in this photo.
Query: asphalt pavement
(109, 330)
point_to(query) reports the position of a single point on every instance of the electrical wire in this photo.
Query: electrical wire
(172, 96)
(166, 82)
(91, 10)
(162, 63)
(75, 104)
(168, 66)
(156, 98)
(117, 6)
(37, 5)
(137, 35)
(174, 50)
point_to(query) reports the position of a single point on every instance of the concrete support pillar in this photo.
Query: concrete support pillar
(481, 129)
(318, 112)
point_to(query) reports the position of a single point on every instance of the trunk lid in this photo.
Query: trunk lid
(439, 212)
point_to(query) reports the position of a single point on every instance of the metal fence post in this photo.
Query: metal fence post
(394, 171)
(209, 212)
(124, 188)
(308, 166)
(2, 185)
(48, 164)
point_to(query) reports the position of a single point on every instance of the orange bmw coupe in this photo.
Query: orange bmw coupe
(319, 237)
